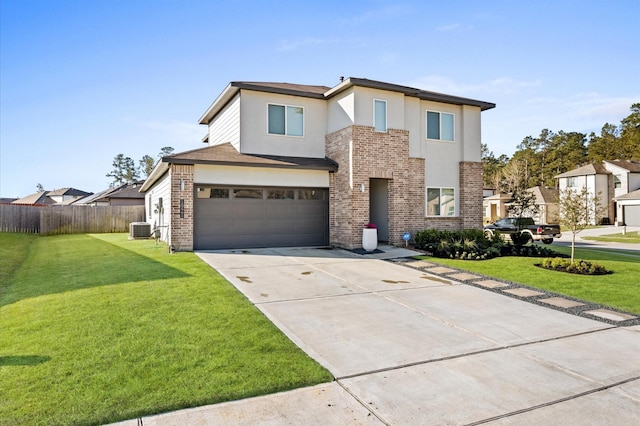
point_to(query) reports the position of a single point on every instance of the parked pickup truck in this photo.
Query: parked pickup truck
(508, 225)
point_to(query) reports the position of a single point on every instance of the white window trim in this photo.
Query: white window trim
(619, 177)
(426, 126)
(426, 206)
(286, 126)
(386, 127)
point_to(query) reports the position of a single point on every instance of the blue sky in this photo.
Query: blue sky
(82, 81)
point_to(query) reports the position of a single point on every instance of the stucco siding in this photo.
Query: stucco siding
(261, 176)
(413, 117)
(341, 111)
(225, 127)
(254, 136)
(364, 98)
(471, 133)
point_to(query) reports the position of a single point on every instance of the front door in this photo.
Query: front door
(379, 207)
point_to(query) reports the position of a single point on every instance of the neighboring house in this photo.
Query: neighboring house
(546, 201)
(127, 194)
(608, 180)
(628, 208)
(58, 197)
(66, 196)
(488, 192)
(298, 165)
(37, 199)
(495, 206)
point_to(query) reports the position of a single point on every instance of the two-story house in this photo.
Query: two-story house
(299, 165)
(608, 180)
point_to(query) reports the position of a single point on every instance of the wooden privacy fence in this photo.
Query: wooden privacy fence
(53, 220)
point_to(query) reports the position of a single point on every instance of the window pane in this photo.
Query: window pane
(433, 201)
(448, 202)
(219, 193)
(295, 120)
(247, 193)
(433, 125)
(276, 119)
(380, 116)
(280, 194)
(617, 183)
(310, 194)
(447, 127)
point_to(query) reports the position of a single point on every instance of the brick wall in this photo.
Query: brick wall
(181, 228)
(362, 153)
(470, 194)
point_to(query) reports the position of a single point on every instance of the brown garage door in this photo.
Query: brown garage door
(250, 217)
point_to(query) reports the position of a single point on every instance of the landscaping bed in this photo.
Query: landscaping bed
(620, 290)
(580, 267)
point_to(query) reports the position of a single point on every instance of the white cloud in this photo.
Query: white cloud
(591, 107)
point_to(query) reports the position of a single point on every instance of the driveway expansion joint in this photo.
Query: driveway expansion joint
(558, 401)
(473, 353)
(573, 306)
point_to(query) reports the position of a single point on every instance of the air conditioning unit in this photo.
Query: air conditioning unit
(139, 230)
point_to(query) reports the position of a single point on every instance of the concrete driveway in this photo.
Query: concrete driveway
(407, 347)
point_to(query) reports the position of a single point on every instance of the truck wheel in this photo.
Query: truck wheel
(547, 240)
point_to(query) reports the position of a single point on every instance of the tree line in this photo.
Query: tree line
(538, 160)
(125, 169)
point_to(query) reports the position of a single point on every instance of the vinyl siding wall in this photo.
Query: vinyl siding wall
(255, 138)
(161, 189)
(226, 126)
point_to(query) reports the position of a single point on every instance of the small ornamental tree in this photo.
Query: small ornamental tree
(577, 209)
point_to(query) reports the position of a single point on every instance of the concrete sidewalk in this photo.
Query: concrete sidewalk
(409, 347)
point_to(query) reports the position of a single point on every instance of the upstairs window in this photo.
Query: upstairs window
(441, 202)
(440, 126)
(617, 182)
(380, 115)
(285, 120)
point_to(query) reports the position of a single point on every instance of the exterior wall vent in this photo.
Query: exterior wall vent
(139, 230)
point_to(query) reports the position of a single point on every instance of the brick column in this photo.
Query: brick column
(471, 194)
(182, 193)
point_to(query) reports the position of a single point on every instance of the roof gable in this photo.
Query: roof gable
(324, 92)
(544, 195)
(226, 154)
(633, 195)
(589, 169)
(630, 165)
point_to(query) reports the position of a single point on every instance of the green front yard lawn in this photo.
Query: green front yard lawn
(96, 329)
(628, 238)
(619, 290)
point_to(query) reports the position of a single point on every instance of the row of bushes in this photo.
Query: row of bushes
(581, 267)
(473, 244)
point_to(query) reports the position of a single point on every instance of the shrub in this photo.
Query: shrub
(582, 267)
(520, 238)
(474, 244)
